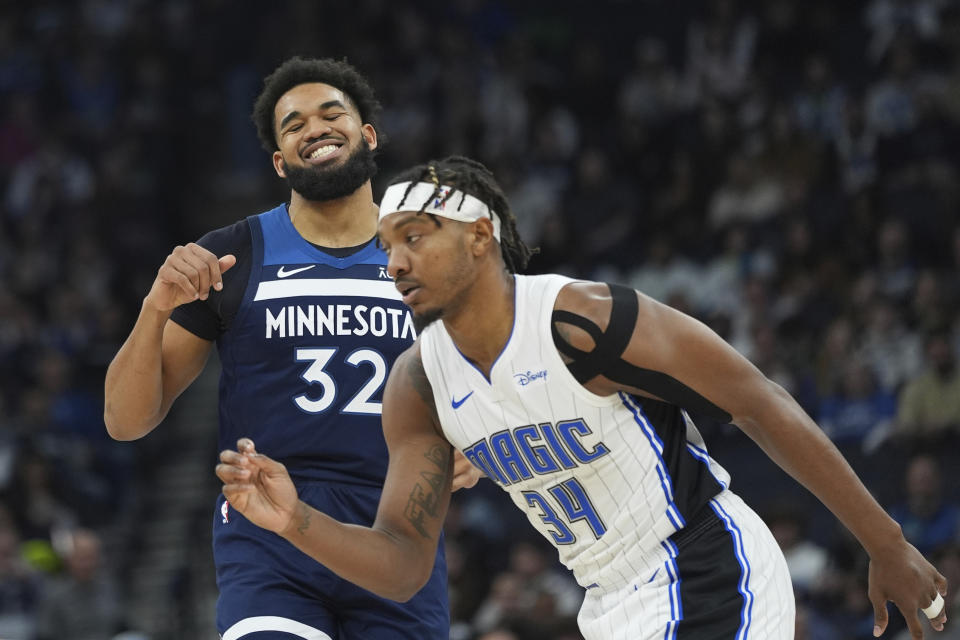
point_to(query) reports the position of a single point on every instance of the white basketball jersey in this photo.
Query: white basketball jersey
(606, 479)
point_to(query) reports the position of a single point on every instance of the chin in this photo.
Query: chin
(424, 319)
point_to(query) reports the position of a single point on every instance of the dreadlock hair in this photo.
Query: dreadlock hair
(473, 178)
(297, 71)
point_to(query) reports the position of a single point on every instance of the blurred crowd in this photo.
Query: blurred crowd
(780, 169)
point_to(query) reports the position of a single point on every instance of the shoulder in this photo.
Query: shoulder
(591, 300)
(581, 313)
(408, 373)
(585, 310)
(409, 381)
(232, 238)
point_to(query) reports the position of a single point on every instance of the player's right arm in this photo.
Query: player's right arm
(160, 358)
(394, 557)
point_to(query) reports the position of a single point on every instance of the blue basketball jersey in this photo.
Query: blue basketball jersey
(307, 355)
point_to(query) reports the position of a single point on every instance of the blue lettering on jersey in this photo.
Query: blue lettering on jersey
(538, 456)
(479, 455)
(504, 447)
(567, 429)
(510, 456)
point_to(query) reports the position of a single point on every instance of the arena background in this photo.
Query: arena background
(785, 170)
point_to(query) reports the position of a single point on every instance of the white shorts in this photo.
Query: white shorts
(722, 577)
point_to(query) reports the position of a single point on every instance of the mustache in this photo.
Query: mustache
(324, 137)
(405, 283)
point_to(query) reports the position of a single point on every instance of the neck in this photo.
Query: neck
(344, 222)
(483, 324)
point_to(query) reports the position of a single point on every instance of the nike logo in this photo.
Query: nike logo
(286, 274)
(456, 403)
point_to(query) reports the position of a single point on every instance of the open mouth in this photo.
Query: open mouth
(320, 152)
(407, 291)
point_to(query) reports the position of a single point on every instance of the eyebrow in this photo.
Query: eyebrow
(417, 217)
(329, 104)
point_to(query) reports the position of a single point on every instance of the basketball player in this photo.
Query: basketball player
(307, 323)
(571, 395)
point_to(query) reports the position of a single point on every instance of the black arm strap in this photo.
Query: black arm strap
(607, 356)
(561, 343)
(609, 345)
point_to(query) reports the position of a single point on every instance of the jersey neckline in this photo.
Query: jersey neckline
(507, 347)
(314, 252)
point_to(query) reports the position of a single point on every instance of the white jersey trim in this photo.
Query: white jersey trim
(303, 287)
(273, 623)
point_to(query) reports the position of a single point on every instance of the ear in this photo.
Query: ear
(370, 135)
(278, 164)
(482, 236)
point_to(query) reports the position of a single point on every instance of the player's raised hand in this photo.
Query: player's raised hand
(257, 487)
(465, 474)
(186, 275)
(904, 577)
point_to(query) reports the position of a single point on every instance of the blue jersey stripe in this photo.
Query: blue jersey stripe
(743, 586)
(665, 481)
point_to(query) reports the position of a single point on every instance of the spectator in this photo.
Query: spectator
(806, 560)
(859, 413)
(85, 599)
(889, 347)
(748, 195)
(928, 518)
(20, 585)
(930, 403)
(891, 102)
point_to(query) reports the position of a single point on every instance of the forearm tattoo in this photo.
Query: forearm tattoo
(425, 497)
(305, 516)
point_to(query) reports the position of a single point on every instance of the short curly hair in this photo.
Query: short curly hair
(297, 71)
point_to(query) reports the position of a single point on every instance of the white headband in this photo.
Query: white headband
(458, 206)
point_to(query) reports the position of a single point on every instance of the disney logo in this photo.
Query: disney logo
(526, 378)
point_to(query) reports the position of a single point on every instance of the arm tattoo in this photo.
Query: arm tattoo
(425, 496)
(305, 519)
(421, 384)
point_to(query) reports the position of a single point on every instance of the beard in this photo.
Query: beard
(320, 184)
(458, 280)
(423, 320)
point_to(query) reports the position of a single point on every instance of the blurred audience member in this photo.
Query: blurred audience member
(929, 405)
(20, 585)
(806, 560)
(928, 518)
(859, 414)
(83, 603)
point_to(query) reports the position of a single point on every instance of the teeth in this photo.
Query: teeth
(323, 151)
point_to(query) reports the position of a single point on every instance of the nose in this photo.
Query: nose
(317, 127)
(397, 263)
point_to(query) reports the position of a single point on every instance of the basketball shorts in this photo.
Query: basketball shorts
(723, 577)
(270, 590)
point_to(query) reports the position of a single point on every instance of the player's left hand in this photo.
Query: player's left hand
(465, 475)
(902, 576)
(257, 487)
